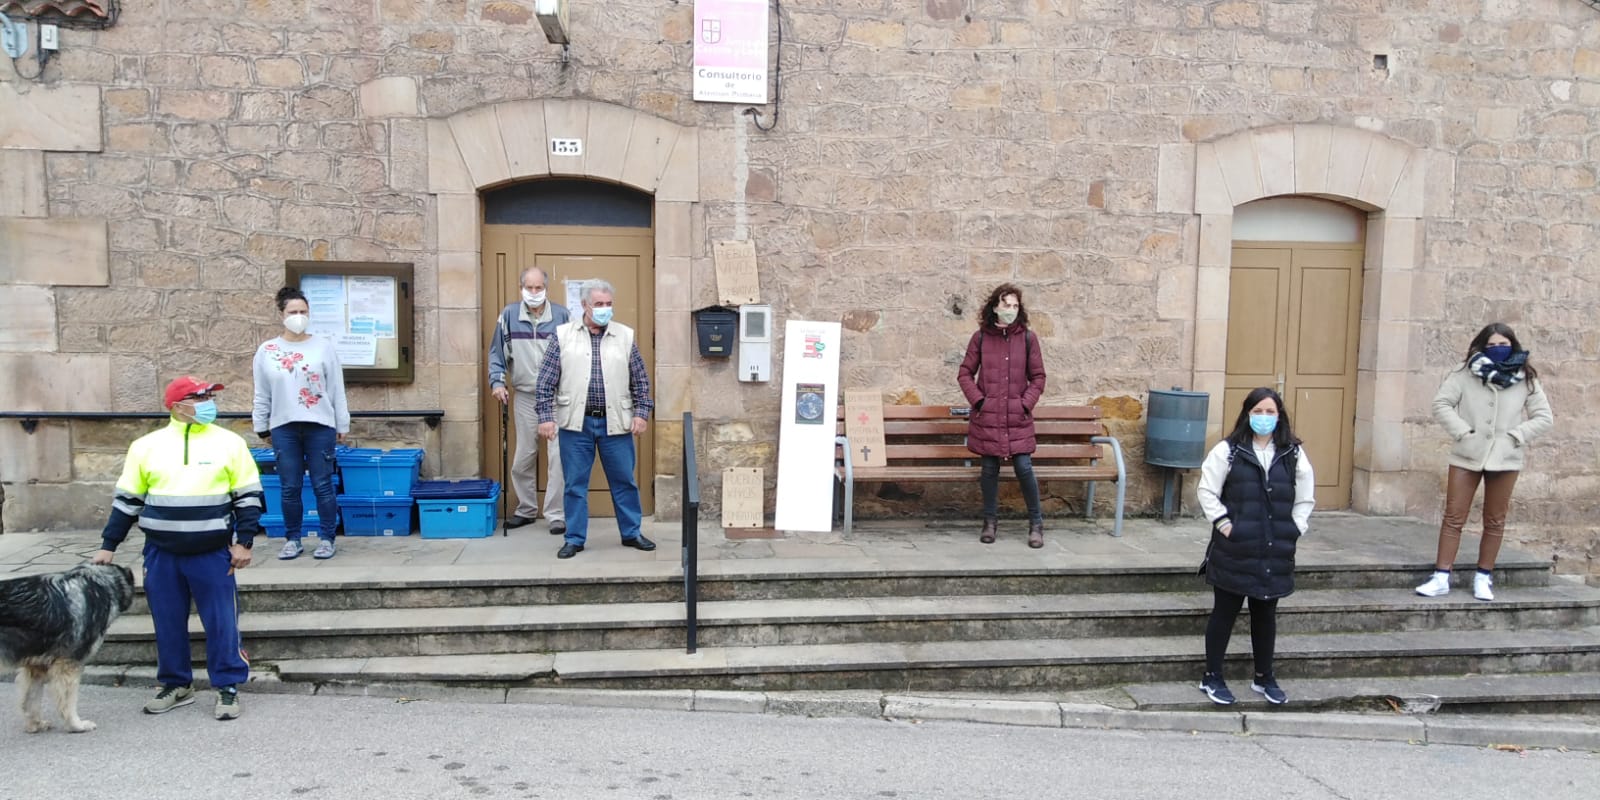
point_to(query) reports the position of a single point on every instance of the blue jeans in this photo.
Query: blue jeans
(304, 447)
(616, 458)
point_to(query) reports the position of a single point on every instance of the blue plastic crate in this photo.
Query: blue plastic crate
(468, 489)
(266, 460)
(366, 515)
(379, 473)
(460, 517)
(273, 525)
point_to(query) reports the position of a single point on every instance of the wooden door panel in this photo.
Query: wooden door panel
(1316, 419)
(1311, 340)
(1324, 324)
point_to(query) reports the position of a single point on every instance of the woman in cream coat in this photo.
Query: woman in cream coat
(1492, 405)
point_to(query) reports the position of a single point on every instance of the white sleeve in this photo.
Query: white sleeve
(1213, 471)
(1305, 491)
(261, 403)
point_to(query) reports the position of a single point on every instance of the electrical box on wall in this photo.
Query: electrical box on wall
(755, 342)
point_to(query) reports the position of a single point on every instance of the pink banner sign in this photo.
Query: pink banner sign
(730, 51)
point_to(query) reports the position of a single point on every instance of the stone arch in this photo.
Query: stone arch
(1378, 174)
(505, 142)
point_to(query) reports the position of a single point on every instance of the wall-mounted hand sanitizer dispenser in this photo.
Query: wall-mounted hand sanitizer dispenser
(755, 343)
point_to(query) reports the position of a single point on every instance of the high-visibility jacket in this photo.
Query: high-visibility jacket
(191, 488)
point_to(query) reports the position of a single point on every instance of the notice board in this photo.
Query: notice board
(806, 433)
(365, 309)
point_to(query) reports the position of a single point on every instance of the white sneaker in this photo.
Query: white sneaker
(1437, 586)
(1483, 586)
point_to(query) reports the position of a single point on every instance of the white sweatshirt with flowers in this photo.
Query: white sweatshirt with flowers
(299, 382)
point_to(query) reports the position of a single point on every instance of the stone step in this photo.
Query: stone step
(514, 629)
(341, 589)
(1055, 665)
(1574, 692)
(556, 628)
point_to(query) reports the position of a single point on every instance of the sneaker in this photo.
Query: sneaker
(1483, 586)
(1214, 687)
(227, 704)
(1267, 686)
(325, 550)
(291, 550)
(168, 698)
(1437, 586)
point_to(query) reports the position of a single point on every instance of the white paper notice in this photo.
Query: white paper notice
(575, 297)
(325, 295)
(372, 305)
(356, 349)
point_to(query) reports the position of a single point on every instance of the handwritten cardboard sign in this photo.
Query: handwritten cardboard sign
(737, 280)
(742, 489)
(863, 424)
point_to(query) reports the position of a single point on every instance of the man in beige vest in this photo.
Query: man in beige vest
(596, 404)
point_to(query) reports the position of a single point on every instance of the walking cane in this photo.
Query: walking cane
(505, 415)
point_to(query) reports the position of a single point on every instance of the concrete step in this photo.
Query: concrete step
(343, 589)
(1056, 665)
(520, 629)
(1573, 692)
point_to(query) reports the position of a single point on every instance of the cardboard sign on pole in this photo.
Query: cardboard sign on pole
(741, 497)
(863, 424)
(806, 428)
(738, 282)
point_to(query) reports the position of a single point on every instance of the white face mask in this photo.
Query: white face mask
(297, 323)
(533, 299)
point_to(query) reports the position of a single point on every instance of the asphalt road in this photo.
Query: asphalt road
(344, 747)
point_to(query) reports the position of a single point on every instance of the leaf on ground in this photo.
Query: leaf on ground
(1508, 748)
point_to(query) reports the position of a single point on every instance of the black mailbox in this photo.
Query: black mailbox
(715, 327)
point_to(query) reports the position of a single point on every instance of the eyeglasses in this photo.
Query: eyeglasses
(198, 396)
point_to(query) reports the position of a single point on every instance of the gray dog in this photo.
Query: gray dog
(50, 625)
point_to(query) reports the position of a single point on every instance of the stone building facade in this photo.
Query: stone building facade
(157, 176)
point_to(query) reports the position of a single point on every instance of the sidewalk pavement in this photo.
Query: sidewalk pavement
(1337, 538)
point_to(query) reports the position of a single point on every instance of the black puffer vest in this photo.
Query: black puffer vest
(1256, 559)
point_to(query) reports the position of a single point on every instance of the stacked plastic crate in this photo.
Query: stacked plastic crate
(466, 509)
(377, 498)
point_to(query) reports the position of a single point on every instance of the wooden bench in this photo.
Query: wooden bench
(928, 444)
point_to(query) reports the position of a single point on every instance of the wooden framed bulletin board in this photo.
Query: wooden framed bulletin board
(365, 307)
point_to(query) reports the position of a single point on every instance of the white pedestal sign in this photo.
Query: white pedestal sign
(805, 436)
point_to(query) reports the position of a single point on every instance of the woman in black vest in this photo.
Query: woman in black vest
(1257, 489)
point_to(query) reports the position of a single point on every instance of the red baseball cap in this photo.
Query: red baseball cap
(181, 388)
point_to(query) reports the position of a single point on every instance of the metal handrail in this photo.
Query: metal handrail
(691, 533)
(30, 419)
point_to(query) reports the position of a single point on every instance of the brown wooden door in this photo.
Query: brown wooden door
(1294, 313)
(569, 256)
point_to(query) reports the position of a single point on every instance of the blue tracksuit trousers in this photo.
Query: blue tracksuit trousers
(171, 581)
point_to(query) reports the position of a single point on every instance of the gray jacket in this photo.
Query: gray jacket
(1491, 426)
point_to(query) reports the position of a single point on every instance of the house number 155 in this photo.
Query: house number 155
(566, 147)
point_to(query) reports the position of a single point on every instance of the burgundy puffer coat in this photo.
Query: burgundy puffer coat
(1003, 385)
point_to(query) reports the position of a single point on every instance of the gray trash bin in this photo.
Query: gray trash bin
(1175, 437)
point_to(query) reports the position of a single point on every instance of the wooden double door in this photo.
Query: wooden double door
(570, 255)
(1294, 317)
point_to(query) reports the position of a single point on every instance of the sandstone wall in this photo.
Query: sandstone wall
(925, 151)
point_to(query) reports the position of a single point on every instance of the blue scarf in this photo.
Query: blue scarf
(1503, 374)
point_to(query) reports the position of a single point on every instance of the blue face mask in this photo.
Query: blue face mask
(1263, 424)
(1497, 352)
(205, 412)
(601, 315)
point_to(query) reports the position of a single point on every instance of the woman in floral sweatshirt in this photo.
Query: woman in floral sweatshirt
(300, 405)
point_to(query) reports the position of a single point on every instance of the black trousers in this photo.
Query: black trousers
(1263, 629)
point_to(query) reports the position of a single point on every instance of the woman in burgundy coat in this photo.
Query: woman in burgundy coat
(1003, 379)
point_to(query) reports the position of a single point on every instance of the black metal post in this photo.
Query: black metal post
(691, 533)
